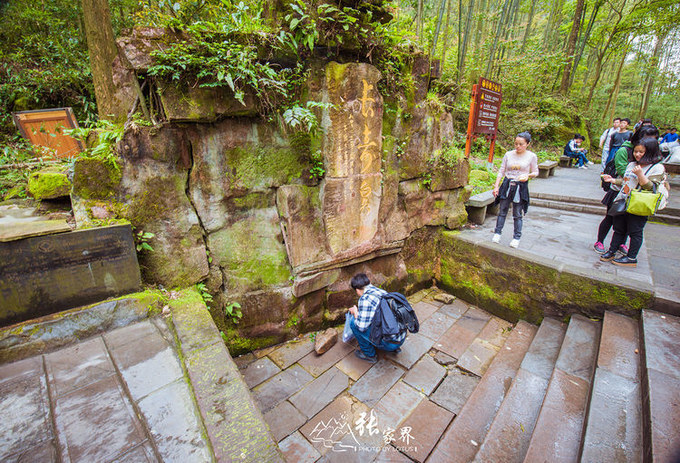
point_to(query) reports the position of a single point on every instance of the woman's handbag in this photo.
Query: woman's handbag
(643, 202)
(618, 207)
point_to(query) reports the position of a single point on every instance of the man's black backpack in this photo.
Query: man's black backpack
(609, 169)
(393, 316)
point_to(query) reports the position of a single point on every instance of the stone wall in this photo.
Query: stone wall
(231, 203)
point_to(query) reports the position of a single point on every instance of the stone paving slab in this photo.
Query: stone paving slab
(664, 405)
(425, 375)
(496, 331)
(414, 347)
(614, 428)
(545, 348)
(171, 417)
(424, 309)
(284, 419)
(461, 440)
(25, 408)
(510, 433)
(557, 436)
(619, 346)
(328, 427)
(96, 422)
(454, 391)
(456, 309)
(316, 364)
(477, 357)
(280, 387)
(396, 405)
(428, 422)
(320, 392)
(289, 353)
(459, 337)
(296, 449)
(259, 371)
(390, 454)
(78, 366)
(436, 325)
(148, 369)
(353, 366)
(579, 349)
(661, 335)
(376, 382)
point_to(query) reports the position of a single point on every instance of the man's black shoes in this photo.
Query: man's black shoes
(608, 256)
(363, 356)
(625, 261)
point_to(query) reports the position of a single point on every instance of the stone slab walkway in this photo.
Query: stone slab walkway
(567, 237)
(336, 407)
(120, 396)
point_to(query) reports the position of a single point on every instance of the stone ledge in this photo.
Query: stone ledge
(519, 285)
(233, 423)
(53, 331)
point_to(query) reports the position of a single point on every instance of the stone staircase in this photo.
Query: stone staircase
(670, 215)
(588, 391)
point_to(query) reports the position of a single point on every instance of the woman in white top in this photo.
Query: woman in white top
(518, 166)
(644, 170)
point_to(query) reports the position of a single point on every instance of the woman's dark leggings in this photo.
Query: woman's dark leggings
(604, 228)
(628, 225)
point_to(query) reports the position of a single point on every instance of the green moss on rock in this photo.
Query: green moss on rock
(94, 178)
(48, 184)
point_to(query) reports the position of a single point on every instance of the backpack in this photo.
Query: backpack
(609, 169)
(393, 316)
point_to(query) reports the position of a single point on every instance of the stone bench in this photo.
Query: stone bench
(478, 205)
(546, 169)
(672, 167)
(565, 161)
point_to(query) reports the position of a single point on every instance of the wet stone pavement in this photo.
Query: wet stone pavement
(118, 397)
(336, 407)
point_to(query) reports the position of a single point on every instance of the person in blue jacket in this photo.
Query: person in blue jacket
(574, 150)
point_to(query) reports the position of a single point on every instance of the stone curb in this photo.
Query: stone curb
(537, 302)
(233, 423)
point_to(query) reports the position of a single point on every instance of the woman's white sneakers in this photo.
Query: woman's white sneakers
(496, 238)
(514, 244)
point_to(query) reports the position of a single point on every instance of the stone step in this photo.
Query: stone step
(661, 385)
(478, 356)
(668, 215)
(557, 436)
(461, 441)
(510, 432)
(614, 423)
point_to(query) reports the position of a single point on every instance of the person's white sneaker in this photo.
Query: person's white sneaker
(496, 238)
(590, 163)
(514, 243)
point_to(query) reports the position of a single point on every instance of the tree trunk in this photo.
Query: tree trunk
(609, 114)
(571, 47)
(481, 25)
(649, 84)
(419, 22)
(501, 22)
(584, 38)
(446, 33)
(527, 30)
(466, 39)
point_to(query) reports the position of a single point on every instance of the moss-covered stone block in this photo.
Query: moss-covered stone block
(95, 178)
(261, 263)
(48, 184)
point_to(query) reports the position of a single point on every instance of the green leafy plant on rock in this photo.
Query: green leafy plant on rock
(205, 294)
(142, 240)
(233, 311)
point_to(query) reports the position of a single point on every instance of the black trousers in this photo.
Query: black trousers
(628, 225)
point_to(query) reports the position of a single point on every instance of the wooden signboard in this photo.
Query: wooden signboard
(44, 127)
(485, 110)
